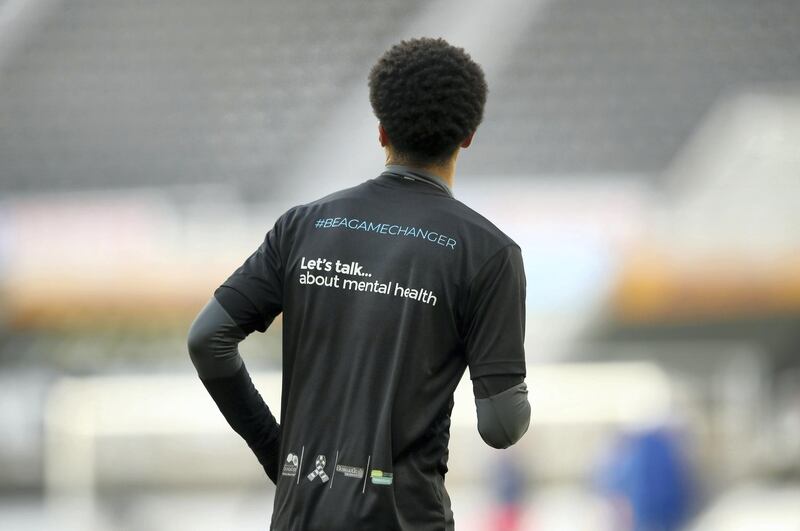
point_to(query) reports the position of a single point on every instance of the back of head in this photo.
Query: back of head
(429, 97)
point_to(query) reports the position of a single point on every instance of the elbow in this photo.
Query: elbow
(212, 342)
(197, 342)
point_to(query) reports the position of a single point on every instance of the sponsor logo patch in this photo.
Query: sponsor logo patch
(290, 466)
(379, 477)
(350, 471)
(319, 470)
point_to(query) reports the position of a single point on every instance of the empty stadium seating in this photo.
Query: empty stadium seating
(163, 93)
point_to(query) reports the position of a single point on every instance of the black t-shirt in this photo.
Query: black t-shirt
(389, 291)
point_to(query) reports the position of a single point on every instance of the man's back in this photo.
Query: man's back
(380, 284)
(389, 291)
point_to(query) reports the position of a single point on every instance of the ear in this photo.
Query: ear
(467, 141)
(383, 138)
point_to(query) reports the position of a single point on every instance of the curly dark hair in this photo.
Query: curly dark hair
(429, 97)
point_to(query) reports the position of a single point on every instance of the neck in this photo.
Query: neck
(445, 172)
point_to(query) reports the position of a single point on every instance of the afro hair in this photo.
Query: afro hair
(429, 97)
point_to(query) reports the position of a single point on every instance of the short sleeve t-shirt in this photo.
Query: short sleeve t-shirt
(389, 291)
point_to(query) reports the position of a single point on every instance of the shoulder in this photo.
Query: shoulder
(304, 211)
(481, 227)
(356, 193)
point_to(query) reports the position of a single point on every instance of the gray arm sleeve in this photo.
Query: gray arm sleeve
(213, 342)
(504, 418)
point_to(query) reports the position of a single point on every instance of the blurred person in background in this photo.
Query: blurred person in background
(389, 290)
(508, 482)
(648, 481)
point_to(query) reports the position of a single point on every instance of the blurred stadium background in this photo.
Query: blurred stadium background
(645, 154)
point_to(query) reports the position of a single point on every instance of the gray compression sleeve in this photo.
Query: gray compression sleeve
(213, 342)
(504, 418)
